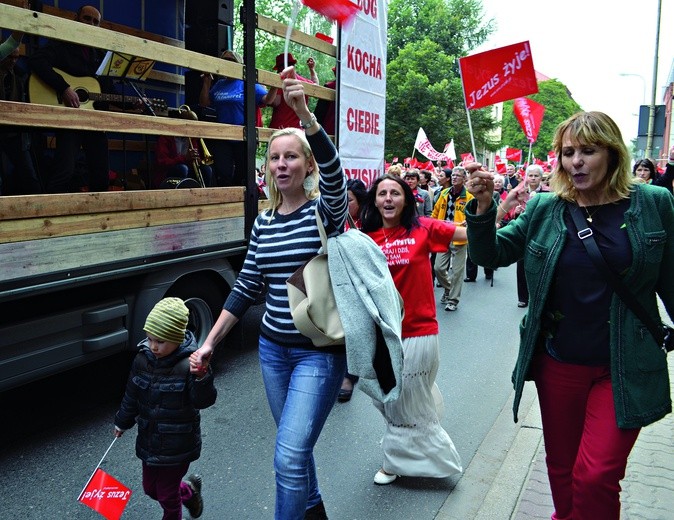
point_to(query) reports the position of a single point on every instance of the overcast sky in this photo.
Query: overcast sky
(587, 44)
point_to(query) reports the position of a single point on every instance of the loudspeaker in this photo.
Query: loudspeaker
(209, 26)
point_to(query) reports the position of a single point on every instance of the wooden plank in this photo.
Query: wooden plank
(47, 116)
(273, 79)
(56, 28)
(55, 205)
(279, 29)
(64, 254)
(42, 228)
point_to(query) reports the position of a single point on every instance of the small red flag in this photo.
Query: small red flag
(500, 167)
(513, 154)
(395, 160)
(341, 11)
(529, 114)
(467, 158)
(105, 495)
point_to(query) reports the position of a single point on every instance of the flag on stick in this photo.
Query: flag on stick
(513, 154)
(449, 150)
(530, 115)
(498, 75)
(105, 495)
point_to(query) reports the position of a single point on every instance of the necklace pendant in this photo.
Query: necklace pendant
(589, 219)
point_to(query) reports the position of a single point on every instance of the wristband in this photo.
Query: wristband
(311, 122)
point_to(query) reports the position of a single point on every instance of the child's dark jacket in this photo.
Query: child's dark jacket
(164, 398)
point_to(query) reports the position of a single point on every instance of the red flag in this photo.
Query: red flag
(514, 155)
(500, 167)
(394, 160)
(341, 11)
(498, 75)
(105, 495)
(428, 165)
(529, 114)
(467, 158)
(407, 161)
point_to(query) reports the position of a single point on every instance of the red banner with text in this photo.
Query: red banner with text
(498, 75)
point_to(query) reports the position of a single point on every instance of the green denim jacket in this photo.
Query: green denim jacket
(638, 365)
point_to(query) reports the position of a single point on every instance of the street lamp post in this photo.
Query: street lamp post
(651, 110)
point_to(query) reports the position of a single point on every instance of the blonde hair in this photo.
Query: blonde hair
(593, 128)
(275, 196)
(395, 169)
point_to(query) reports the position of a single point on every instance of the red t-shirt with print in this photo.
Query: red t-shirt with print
(408, 260)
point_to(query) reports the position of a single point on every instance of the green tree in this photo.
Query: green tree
(457, 26)
(420, 93)
(425, 40)
(559, 105)
(268, 46)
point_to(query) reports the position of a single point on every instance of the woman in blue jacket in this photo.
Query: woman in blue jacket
(599, 373)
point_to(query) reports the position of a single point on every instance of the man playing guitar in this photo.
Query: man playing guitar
(76, 60)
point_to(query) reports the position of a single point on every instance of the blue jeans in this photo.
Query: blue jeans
(302, 387)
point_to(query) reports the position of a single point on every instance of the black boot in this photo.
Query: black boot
(316, 513)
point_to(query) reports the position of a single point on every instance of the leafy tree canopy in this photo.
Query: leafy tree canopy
(559, 105)
(420, 93)
(425, 40)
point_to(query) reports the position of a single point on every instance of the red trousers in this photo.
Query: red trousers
(165, 485)
(586, 452)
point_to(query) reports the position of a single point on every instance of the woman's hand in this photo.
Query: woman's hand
(518, 196)
(200, 358)
(481, 185)
(293, 94)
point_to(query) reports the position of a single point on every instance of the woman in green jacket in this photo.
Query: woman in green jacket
(600, 375)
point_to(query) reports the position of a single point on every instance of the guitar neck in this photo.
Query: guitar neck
(114, 98)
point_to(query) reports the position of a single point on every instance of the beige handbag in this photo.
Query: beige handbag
(312, 301)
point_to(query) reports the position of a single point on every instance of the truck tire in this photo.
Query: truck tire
(204, 300)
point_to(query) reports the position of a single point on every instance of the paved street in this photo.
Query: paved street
(64, 431)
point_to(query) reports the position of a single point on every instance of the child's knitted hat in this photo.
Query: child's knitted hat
(168, 320)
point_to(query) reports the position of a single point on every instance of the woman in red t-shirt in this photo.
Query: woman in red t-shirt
(415, 444)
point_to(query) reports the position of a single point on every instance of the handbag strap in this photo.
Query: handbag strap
(586, 237)
(321, 227)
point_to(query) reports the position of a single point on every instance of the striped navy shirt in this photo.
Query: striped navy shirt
(277, 248)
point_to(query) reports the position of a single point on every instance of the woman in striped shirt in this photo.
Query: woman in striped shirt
(301, 381)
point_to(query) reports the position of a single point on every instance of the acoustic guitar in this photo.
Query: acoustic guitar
(88, 91)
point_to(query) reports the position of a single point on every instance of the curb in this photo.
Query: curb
(492, 484)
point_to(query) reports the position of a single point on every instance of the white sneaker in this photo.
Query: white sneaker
(383, 479)
(451, 306)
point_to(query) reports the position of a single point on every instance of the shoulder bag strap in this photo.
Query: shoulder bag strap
(585, 235)
(321, 227)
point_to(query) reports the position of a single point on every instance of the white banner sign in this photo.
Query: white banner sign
(362, 94)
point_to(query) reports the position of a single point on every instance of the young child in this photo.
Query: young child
(164, 397)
